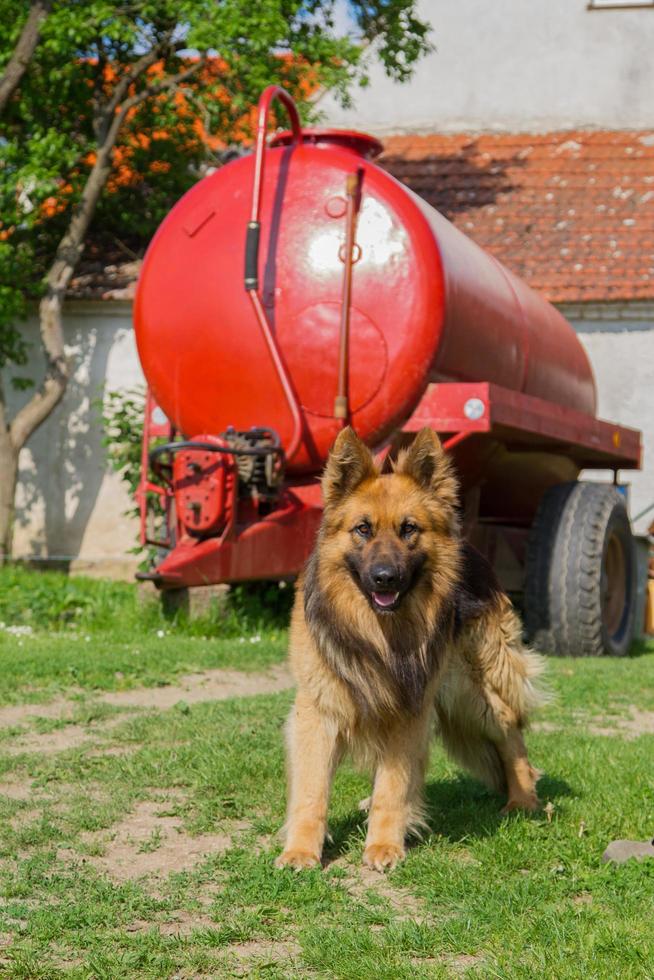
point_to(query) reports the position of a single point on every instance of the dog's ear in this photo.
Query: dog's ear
(350, 463)
(426, 463)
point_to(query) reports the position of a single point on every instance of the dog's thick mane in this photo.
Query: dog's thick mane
(387, 665)
(386, 668)
(387, 661)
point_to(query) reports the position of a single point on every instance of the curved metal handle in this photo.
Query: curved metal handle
(254, 226)
(267, 97)
(252, 251)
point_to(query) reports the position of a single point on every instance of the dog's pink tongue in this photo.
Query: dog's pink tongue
(385, 598)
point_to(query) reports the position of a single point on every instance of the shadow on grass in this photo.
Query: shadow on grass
(462, 808)
(342, 832)
(458, 809)
(641, 647)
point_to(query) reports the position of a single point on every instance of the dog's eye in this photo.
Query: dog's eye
(408, 528)
(363, 529)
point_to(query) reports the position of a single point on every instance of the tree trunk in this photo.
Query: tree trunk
(8, 474)
(13, 436)
(20, 59)
(61, 272)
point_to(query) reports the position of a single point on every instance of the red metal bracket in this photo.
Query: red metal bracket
(522, 420)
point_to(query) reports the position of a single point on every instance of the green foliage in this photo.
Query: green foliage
(121, 416)
(56, 602)
(63, 107)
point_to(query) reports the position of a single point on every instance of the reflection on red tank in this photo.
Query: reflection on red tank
(428, 304)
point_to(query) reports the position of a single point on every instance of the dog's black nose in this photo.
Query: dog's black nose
(385, 576)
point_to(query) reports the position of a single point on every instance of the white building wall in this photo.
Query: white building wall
(70, 505)
(620, 344)
(516, 65)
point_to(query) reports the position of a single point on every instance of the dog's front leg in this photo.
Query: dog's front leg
(396, 804)
(314, 749)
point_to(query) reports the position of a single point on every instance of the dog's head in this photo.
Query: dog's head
(395, 534)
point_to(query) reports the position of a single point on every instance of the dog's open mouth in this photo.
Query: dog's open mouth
(385, 601)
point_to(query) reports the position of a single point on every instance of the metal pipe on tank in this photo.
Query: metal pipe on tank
(353, 195)
(252, 252)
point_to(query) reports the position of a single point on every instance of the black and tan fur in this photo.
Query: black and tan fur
(444, 648)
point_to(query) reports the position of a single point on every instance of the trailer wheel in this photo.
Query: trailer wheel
(580, 574)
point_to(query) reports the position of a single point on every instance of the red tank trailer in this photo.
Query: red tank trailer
(301, 288)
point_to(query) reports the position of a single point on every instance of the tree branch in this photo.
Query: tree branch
(3, 414)
(122, 87)
(155, 88)
(37, 409)
(8, 469)
(68, 253)
(149, 59)
(20, 59)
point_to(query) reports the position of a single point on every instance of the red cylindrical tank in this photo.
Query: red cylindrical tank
(427, 304)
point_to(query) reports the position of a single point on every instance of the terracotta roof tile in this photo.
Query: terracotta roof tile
(570, 212)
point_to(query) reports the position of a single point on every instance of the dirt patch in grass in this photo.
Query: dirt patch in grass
(630, 724)
(464, 857)
(361, 880)
(16, 788)
(182, 923)
(545, 727)
(213, 685)
(640, 723)
(23, 790)
(114, 750)
(61, 739)
(457, 964)
(271, 950)
(151, 842)
(17, 714)
(25, 817)
(464, 962)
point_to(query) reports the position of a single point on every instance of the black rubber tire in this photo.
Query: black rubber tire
(565, 572)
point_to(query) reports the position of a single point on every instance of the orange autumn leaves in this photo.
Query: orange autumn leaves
(133, 160)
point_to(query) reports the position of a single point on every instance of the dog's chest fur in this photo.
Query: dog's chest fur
(386, 666)
(388, 663)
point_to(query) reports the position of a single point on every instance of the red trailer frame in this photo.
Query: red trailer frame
(473, 419)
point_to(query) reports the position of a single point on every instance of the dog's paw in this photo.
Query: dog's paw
(364, 804)
(528, 802)
(298, 860)
(382, 857)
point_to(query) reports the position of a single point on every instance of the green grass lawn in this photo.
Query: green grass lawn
(147, 850)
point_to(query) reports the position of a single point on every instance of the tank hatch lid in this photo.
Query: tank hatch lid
(363, 144)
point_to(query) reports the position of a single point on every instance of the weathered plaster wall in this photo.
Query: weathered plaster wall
(620, 344)
(70, 505)
(518, 66)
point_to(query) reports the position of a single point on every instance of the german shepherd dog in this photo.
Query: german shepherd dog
(399, 623)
